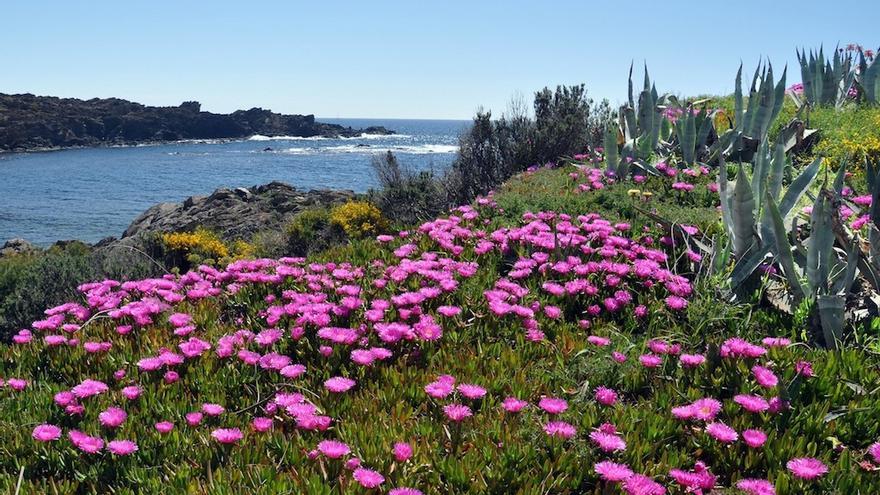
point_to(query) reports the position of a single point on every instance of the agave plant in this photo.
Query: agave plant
(868, 79)
(826, 82)
(693, 130)
(752, 118)
(747, 210)
(641, 128)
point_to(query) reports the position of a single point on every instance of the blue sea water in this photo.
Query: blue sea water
(89, 194)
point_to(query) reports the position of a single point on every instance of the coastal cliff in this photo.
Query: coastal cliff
(29, 122)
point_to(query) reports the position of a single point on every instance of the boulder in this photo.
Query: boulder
(234, 213)
(17, 246)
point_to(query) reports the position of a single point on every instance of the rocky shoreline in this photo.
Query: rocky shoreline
(47, 123)
(233, 213)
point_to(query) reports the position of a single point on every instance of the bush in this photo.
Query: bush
(311, 230)
(565, 123)
(30, 283)
(358, 219)
(405, 196)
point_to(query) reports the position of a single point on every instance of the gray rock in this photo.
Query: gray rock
(234, 213)
(17, 246)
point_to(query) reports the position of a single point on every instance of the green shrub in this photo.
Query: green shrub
(404, 196)
(311, 230)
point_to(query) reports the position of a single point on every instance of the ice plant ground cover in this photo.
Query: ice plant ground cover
(549, 339)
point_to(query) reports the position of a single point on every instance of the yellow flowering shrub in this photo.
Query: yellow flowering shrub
(852, 133)
(358, 219)
(202, 243)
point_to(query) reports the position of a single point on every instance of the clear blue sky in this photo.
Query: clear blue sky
(400, 59)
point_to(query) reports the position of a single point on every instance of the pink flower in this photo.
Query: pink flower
(737, 347)
(85, 443)
(368, 478)
(227, 435)
(764, 376)
(692, 360)
(559, 429)
(756, 487)
(806, 468)
(89, 388)
(639, 484)
(752, 403)
(618, 356)
(804, 368)
(612, 471)
(721, 432)
(405, 491)
(605, 396)
(292, 371)
(608, 442)
(212, 409)
(754, 438)
(513, 405)
(46, 433)
(194, 418)
(164, 426)
(650, 360)
(122, 447)
(775, 341)
(339, 384)
(261, 424)
(441, 387)
(676, 303)
(598, 341)
(131, 392)
(471, 391)
(457, 412)
(402, 451)
(333, 449)
(553, 405)
(694, 481)
(112, 417)
(874, 450)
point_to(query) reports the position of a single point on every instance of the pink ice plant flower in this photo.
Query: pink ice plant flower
(553, 405)
(227, 435)
(122, 447)
(752, 486)
(368, 478)
(807, 468)
(457, 412)
(513, 405)
(560, 429)
(112, 417)
(46, 433)
(333, 449)
(754, 438)
(402, 451)
(471, 391)
(612, 471)
(721, 432)
(339, 384)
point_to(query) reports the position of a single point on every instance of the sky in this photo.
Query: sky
(396, 59)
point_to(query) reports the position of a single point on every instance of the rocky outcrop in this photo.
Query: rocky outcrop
(29, 122)
(234, 213)
(17, 246)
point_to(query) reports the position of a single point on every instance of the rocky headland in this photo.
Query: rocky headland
(29, 122)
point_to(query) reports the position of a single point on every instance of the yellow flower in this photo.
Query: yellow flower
(633, 192)
(358, 219)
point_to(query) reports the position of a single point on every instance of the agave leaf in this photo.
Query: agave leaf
(820, 245)
(797, 188)
(838, 179)
(777, 170)
(738, 99)
(747, 265)
(726, 215)
(848, 276)
(783, 248)
(743, 214)
(612, 158)
(760, 168)
(831, 316)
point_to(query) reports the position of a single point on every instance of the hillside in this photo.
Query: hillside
(29, 122)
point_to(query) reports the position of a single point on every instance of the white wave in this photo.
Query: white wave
(423, 149)
(260, 137)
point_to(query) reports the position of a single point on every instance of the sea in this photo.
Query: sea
(92, 193)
